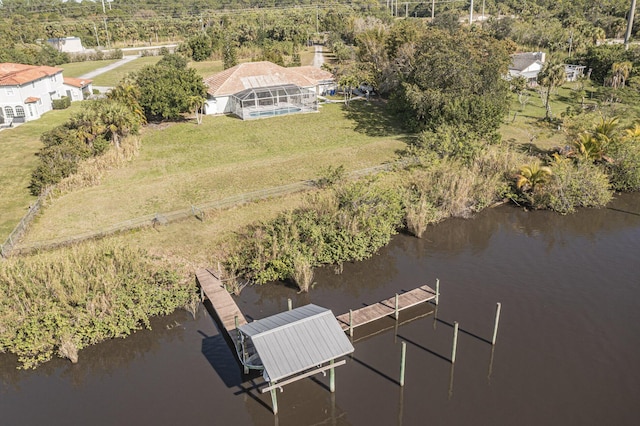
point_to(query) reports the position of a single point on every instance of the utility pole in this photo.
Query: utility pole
(471, 13)
(627, 35)
(104, 11)
(406, 10)
(95, 31)
(433, 9)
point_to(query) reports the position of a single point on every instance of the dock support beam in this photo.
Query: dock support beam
(437, 291)
(455, 342)
(495, 325)
(403, 356)
(289, 304)
(332, 377)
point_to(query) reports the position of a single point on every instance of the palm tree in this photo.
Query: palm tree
(594, 145)
(532, 176)
(197, 104)
(552, 76)
(620, 73)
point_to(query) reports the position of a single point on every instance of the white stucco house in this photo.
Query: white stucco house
(28, 91)
(527, 65)
(263, 89)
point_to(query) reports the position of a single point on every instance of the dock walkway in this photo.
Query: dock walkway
(388, 307)
(222, 302)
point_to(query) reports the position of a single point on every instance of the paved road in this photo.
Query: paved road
(318, 59)
(110, 67)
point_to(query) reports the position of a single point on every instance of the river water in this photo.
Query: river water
(567, 352)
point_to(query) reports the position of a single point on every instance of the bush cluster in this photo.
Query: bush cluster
(86, 134)
(61, 302)
(62, 103)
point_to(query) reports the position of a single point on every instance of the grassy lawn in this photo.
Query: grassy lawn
(76, 69)
(113, 77)
(17, 160)
(528, 126)
(207, 68)
(184, 164)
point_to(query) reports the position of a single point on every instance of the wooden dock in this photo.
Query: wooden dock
(389, 307)
(222, 302)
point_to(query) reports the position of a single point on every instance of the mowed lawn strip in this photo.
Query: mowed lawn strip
(113, 77)
(76, 69)
(185, 164)
(18, 147)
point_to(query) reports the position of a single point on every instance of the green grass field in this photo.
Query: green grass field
(184, 164)
(112, 78)
(76, 69)
(18, 147)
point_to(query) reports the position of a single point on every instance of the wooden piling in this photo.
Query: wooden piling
(274, 398)
(455, 342)
(437, 290)
(403, 355)
(289, 304)
(395, 314)
(351, 322)
(495, 325)
(332, 377)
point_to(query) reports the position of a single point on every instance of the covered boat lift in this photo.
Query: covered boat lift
(292, 345)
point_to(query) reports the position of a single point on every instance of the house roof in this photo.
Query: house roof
(522, 61)
(314, 73)
(17, 74)
(77, 82)
(293, 341)
(249, 75)
(31, 99)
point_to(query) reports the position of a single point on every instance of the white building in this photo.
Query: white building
(28, 91)
(527, 65)
(67, 44)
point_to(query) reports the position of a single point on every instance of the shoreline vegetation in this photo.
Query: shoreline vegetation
(462, 134)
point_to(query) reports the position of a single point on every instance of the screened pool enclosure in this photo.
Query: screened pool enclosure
(273, 100)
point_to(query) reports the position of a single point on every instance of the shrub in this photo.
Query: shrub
(63, 301)
(624, 170)
(572, 185)
(62, 103)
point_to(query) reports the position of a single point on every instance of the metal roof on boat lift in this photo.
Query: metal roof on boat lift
(294, 341)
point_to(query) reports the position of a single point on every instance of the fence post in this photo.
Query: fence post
(437, 290)
(289, 304)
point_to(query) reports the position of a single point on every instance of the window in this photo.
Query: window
(19, 111)
(30, 110)
(8, 112)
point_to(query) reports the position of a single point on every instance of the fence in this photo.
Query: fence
(7, 247)
(176, 215)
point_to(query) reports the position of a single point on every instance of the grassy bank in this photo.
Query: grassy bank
(184, 164)
(59, 302)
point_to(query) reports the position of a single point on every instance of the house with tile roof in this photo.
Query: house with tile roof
(263, 89)
(28, 91)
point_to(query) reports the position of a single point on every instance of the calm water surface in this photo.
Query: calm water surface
(568, 350)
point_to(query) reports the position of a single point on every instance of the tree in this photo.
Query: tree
(552, 76)
(620, 73)
(197, 105)
(166, 91)
(200, 47)
(456, 79)
(229, 54)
